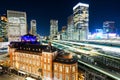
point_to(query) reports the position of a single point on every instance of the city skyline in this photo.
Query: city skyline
(60, 40)
(109, 11)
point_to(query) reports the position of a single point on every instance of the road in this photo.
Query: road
(11, 77)
(3, 56)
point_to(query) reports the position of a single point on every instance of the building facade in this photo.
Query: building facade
(64, 35)
(109, 27)
(70, 27)
(17, 25)
(81, 21)
(65, 67)
(109, 30)
(53, 28)
(3, 29)
(42, 61)
(33, 27)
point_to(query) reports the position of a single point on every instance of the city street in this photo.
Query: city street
(3, 56)
(11, 77)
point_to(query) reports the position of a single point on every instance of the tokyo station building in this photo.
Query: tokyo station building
(45, 61)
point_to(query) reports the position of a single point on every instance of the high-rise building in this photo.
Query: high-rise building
(17, 25)
(3, 29)
(109, 27)
(53, 28)
(64, 28)
(4, 18)
(33, 27)
(70, 27)
(81, 20)
(64, 33)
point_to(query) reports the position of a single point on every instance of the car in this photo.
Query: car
(29, 78)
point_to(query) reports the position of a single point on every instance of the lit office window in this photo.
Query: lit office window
(33, 62)
(45, 66)
(48, 67)
(73, 69)
(67, 69)
(37, 57)
(60, 68)
(13, 54)
(48, 55)
(33, 57)
(44, 59)
(30, 69)
(48, 60)
(36, 49)
(55, 67)
(30, 61)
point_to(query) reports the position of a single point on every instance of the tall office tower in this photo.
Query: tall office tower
(81, 20)
(3, 29)
(64, 33)
(109, 27)
(53, 28)
(70, 28)
(17, 25)
(64, 28)
(33, 27)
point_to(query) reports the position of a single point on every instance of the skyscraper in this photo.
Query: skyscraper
(17, 25)
(70, 28)
(81, 20)
(33, 27)
(3, 29)
(64, 33)
(109, 27)
(53, 28)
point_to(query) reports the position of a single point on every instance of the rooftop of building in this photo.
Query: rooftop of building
(29, 38)
(65, 58)
(80, 4)
(26, 46)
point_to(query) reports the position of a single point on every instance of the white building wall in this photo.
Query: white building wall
(53, 28)
(33, 27)
(17, 25)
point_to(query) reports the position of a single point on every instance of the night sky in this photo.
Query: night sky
(44, 10)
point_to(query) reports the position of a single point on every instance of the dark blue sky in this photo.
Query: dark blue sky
(44, 10)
